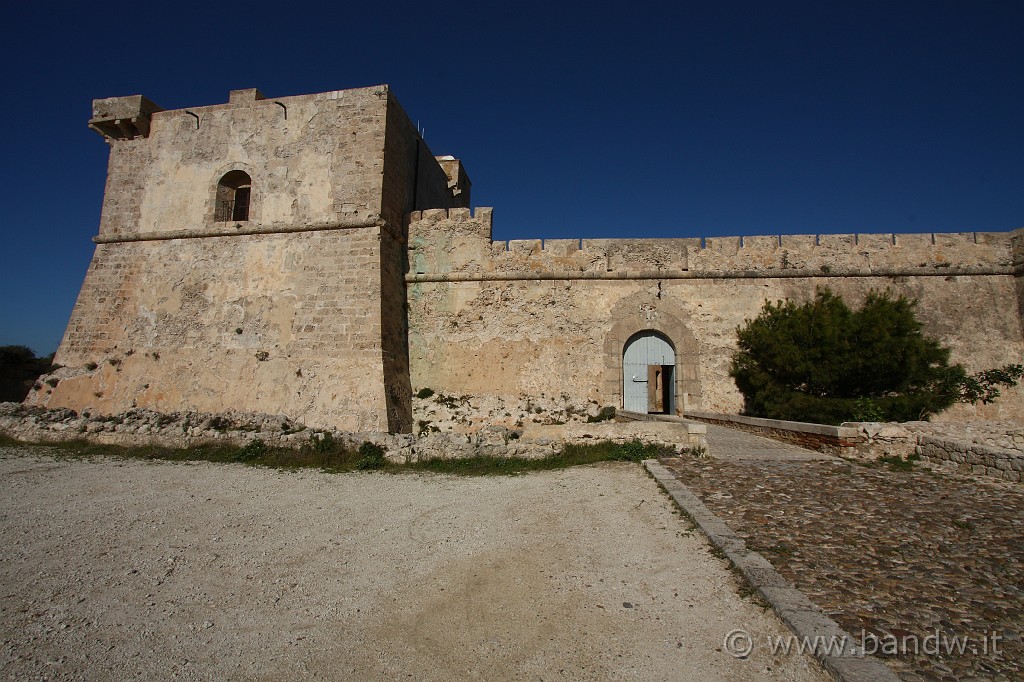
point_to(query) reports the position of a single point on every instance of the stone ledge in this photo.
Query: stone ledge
(679, 436)
(496, 276)
(691, 426)
(837, 440)
(800, 614)
(802, 427)
(139, 427)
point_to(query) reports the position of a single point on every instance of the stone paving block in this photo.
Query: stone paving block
(812, 624)
(764, 578)
(786, 597)
(858, 669)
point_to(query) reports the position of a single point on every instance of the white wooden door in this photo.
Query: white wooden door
(642, 351)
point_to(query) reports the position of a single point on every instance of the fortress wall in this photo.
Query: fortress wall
(531, 317)
(457, 241)
(529, 337)
(184, 324)
(356, 279)
(314, 160)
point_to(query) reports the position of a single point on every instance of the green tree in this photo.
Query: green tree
(825, 363)
(19, 369)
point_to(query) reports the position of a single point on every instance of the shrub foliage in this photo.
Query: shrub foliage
(825, 363)
(19, 368)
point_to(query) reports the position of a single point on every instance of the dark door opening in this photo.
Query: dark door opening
(659, 389)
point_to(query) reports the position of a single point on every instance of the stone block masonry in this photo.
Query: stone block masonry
(251, 257)
(528, 317)
(1000, 463)
(258, 323)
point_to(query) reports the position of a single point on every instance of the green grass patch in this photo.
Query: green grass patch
(323, 452)
(318, 453)
(8, 442)
(570, 456)
(897, 463)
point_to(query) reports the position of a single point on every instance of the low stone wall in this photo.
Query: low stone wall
(188, 429)
(1000, 463)
(885, 439)
(835, 440)
(987, 448)
(1002, 434)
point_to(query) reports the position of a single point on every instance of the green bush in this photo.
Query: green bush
(322, 443)
(19, 369)
(983, 387)
(825, 363)
(425, 393)
(371, 456)
(251, 451)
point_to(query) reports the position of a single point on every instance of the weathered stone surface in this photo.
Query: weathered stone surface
(990, 448)
(490, 319)
(293, 306)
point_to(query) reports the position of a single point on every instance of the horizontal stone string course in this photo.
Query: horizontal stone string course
(710, 274)
(234, 232)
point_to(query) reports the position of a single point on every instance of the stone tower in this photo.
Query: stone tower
(251, 257)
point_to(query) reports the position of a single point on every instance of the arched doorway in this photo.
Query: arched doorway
(648, 374)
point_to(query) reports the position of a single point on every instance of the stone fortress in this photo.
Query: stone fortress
(309, 256)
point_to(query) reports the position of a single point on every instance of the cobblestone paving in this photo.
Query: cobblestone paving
(888, 553)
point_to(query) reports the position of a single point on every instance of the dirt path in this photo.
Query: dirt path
(130, 570)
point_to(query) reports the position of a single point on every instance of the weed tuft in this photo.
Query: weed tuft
(897, 463)
(607, 413)
(251, 451)
(371, 456)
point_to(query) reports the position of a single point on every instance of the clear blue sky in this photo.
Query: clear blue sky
(574, 119)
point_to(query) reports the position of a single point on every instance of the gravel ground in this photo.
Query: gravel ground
(893, 554)
(115, 569)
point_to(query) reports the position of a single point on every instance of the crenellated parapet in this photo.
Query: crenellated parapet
(871, 253)
(456, 245)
